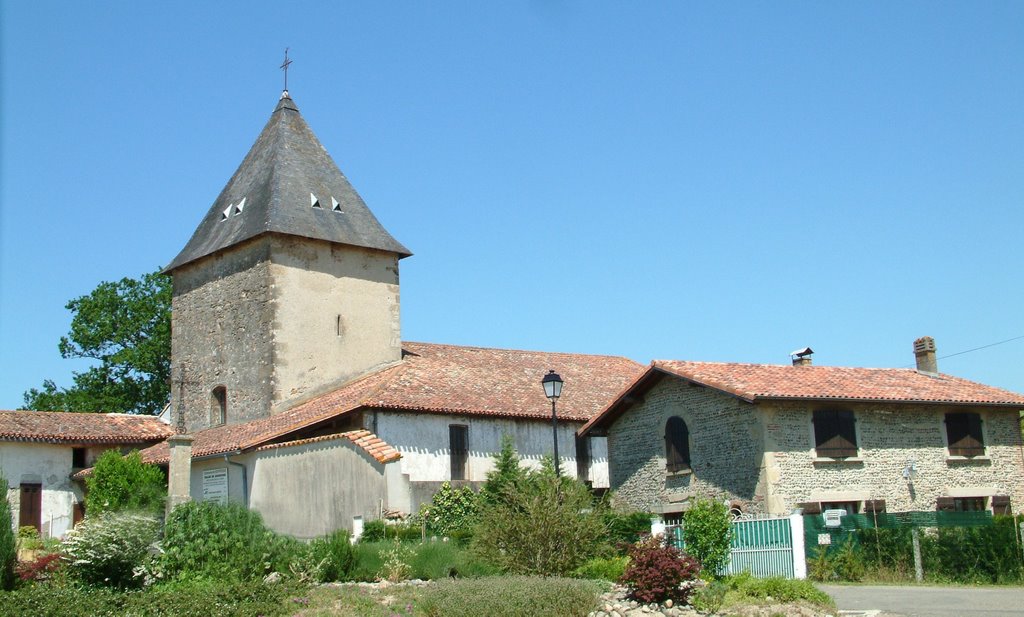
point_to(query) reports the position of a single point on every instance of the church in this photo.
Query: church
(292, 389)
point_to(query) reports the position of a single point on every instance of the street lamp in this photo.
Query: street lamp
(553, 389)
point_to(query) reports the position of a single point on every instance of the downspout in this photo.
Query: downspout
(245, 476)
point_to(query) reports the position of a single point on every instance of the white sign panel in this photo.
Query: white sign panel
(215, 485)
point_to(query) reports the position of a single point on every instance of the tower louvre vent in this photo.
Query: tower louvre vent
(335, 206)
(314, 202)
(239, 206)
(227, 212)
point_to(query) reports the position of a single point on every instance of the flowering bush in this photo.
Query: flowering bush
(109, 548)
(657, 571)
(450, 510)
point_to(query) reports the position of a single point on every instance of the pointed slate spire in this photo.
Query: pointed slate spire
(283, 168)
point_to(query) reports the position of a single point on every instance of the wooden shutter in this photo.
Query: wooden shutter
(963, 431)
(582, 458)
(31, 506)
(835, 433)
(677, 445)
(1001, 505)
(458, 442)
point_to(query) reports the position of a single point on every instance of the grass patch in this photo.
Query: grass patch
(511, 596)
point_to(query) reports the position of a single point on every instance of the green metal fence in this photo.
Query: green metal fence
(817, 534)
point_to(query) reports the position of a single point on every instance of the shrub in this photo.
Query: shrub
(628, 528)
(29, 538)
(379, 531)
(546, 525)
(125, 483)
(367, 560)
(707, 531)
(451, 509)
(40, 569)
(506, 474)
(511, 596)
(107, 548)
(778, 588)
(657, 571)
(194, 599)
(709, 599)
(601, 568)
(225, 542)
(334, 556)
(8, 545)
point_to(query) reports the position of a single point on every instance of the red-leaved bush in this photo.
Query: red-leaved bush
(656, 571)
(40, 569)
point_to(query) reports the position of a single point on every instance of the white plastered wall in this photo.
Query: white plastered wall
(50, 466)
(422, 438)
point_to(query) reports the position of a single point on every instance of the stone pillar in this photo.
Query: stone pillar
(179, 471)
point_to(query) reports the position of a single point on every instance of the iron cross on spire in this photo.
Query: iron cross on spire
(284, 67)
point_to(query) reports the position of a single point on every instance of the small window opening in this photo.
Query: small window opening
(219, 406)
(963, 434)
(239, 206)
(677, 445)
(335, 206)
(314, 202)
(338, 326)
(78, 458)
(225, 213)
(458, 445)
(834, 433)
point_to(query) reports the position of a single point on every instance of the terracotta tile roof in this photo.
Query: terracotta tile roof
(236, 437)
(441, 379)
(773, 381)
(753, 382)
(84, 428)
(373, 445)
(502, 382)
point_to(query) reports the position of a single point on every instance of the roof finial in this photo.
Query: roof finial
(284, 67)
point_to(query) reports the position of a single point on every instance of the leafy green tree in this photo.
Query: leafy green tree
(125, 483)
(8, 548)
(707, 532)
(126, 328)
(506, 474)
(547, 525)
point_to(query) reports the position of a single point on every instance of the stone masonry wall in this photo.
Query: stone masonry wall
(336, 315)
(725, 453)
(221, 318)
(888, 436)
(277, 320)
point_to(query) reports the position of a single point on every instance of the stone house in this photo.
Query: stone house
(39, 452)
(773, 438)
(287, 348)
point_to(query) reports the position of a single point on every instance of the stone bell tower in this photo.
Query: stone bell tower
(288, 287)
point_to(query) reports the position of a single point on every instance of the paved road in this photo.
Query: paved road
(921, 601)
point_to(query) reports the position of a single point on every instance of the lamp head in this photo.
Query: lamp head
(552, 385)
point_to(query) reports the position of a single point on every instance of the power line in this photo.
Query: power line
(960, 353)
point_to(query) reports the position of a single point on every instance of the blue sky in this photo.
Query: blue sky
(702, 181)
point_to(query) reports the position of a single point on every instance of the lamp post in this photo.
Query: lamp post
(553, 389)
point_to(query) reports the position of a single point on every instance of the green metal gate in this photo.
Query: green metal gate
(761, 546)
